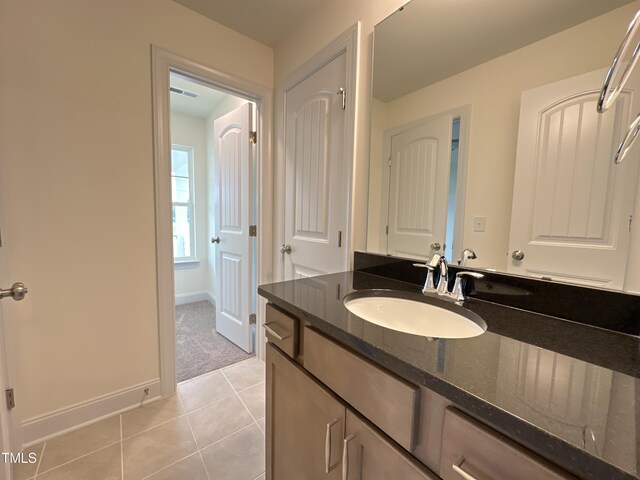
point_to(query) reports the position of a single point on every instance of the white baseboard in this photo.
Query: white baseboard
(193, 297)
(43, 427)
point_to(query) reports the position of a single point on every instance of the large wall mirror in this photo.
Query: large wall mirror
(485, 136)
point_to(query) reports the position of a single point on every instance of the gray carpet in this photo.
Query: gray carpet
(199, 348)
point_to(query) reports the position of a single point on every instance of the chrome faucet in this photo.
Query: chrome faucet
(437, 262)
(467, 254)
(443, 282)
(440, 262)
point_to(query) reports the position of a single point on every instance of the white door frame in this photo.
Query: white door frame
(162, 62)
(11, 431)
(346, 43)
(464, 113)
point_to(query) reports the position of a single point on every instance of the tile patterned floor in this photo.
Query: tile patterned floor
(213, 428)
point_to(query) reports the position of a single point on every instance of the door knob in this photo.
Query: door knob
(285, 249)
(17, 291)
(517, 255)
(215, 239)
(435, 246)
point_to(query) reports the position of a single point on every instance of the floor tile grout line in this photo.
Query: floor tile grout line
(44, 445)
(121, 450)
(155, 426)
(241, 401)
(227, 436)
(212, 373)
(170, 465)
(209, 404)
(193, 435)
(252, 386)
(246, 360)
(80, 457)
(263, 432)
(206, 470)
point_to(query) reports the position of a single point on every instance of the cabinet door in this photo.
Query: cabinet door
(305, 424)
(369, 455)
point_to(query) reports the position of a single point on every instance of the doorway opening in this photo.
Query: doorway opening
(212, 193)
(453, 189)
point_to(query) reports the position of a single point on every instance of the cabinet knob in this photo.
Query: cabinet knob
(517, 255)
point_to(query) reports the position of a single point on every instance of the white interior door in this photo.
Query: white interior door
(5, 416)
(233, 257)
(419, 164)
(9, 427)
(316, 169)
(571, 205)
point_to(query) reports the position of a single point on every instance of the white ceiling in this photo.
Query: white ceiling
(442, 38)
(202, 106)
(266, 21)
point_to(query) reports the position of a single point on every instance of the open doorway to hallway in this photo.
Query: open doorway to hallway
(213, 201)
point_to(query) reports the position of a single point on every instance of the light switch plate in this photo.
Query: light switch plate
(478, 224)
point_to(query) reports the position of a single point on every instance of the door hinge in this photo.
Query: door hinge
(389, 162)
(343, 92)
(253, 230)
(252, 319)
(253, 137)
(630, 220)
(386, 230)
(339, 239)
(11, 399)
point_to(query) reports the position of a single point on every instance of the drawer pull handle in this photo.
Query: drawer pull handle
(457, 467)
(273, 333)
(327, 446)
(345, 457)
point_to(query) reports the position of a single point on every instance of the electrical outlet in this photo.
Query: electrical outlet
(478, 223)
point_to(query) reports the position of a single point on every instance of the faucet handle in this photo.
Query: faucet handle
(428, 283)
(458, 291)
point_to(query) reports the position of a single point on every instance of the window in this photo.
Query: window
(182, 204)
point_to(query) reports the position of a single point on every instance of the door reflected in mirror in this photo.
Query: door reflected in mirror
(522, 84)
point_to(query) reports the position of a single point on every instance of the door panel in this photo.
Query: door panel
(370, 455)
(10, 429)
(418, 190)
(303, 419)
(233, 253)
(571, 203)
(315, 187)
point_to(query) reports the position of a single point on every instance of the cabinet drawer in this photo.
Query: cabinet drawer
(470, 448)
(386, 400)
(282, 330)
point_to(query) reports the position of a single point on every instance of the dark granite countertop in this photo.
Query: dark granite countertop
(521, 376)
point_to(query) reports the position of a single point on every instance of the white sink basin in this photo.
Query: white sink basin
(415, 316)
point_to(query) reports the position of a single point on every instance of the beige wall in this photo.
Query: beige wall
(192, 132)
(327, 23)
(77, 184)
(493, 90)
